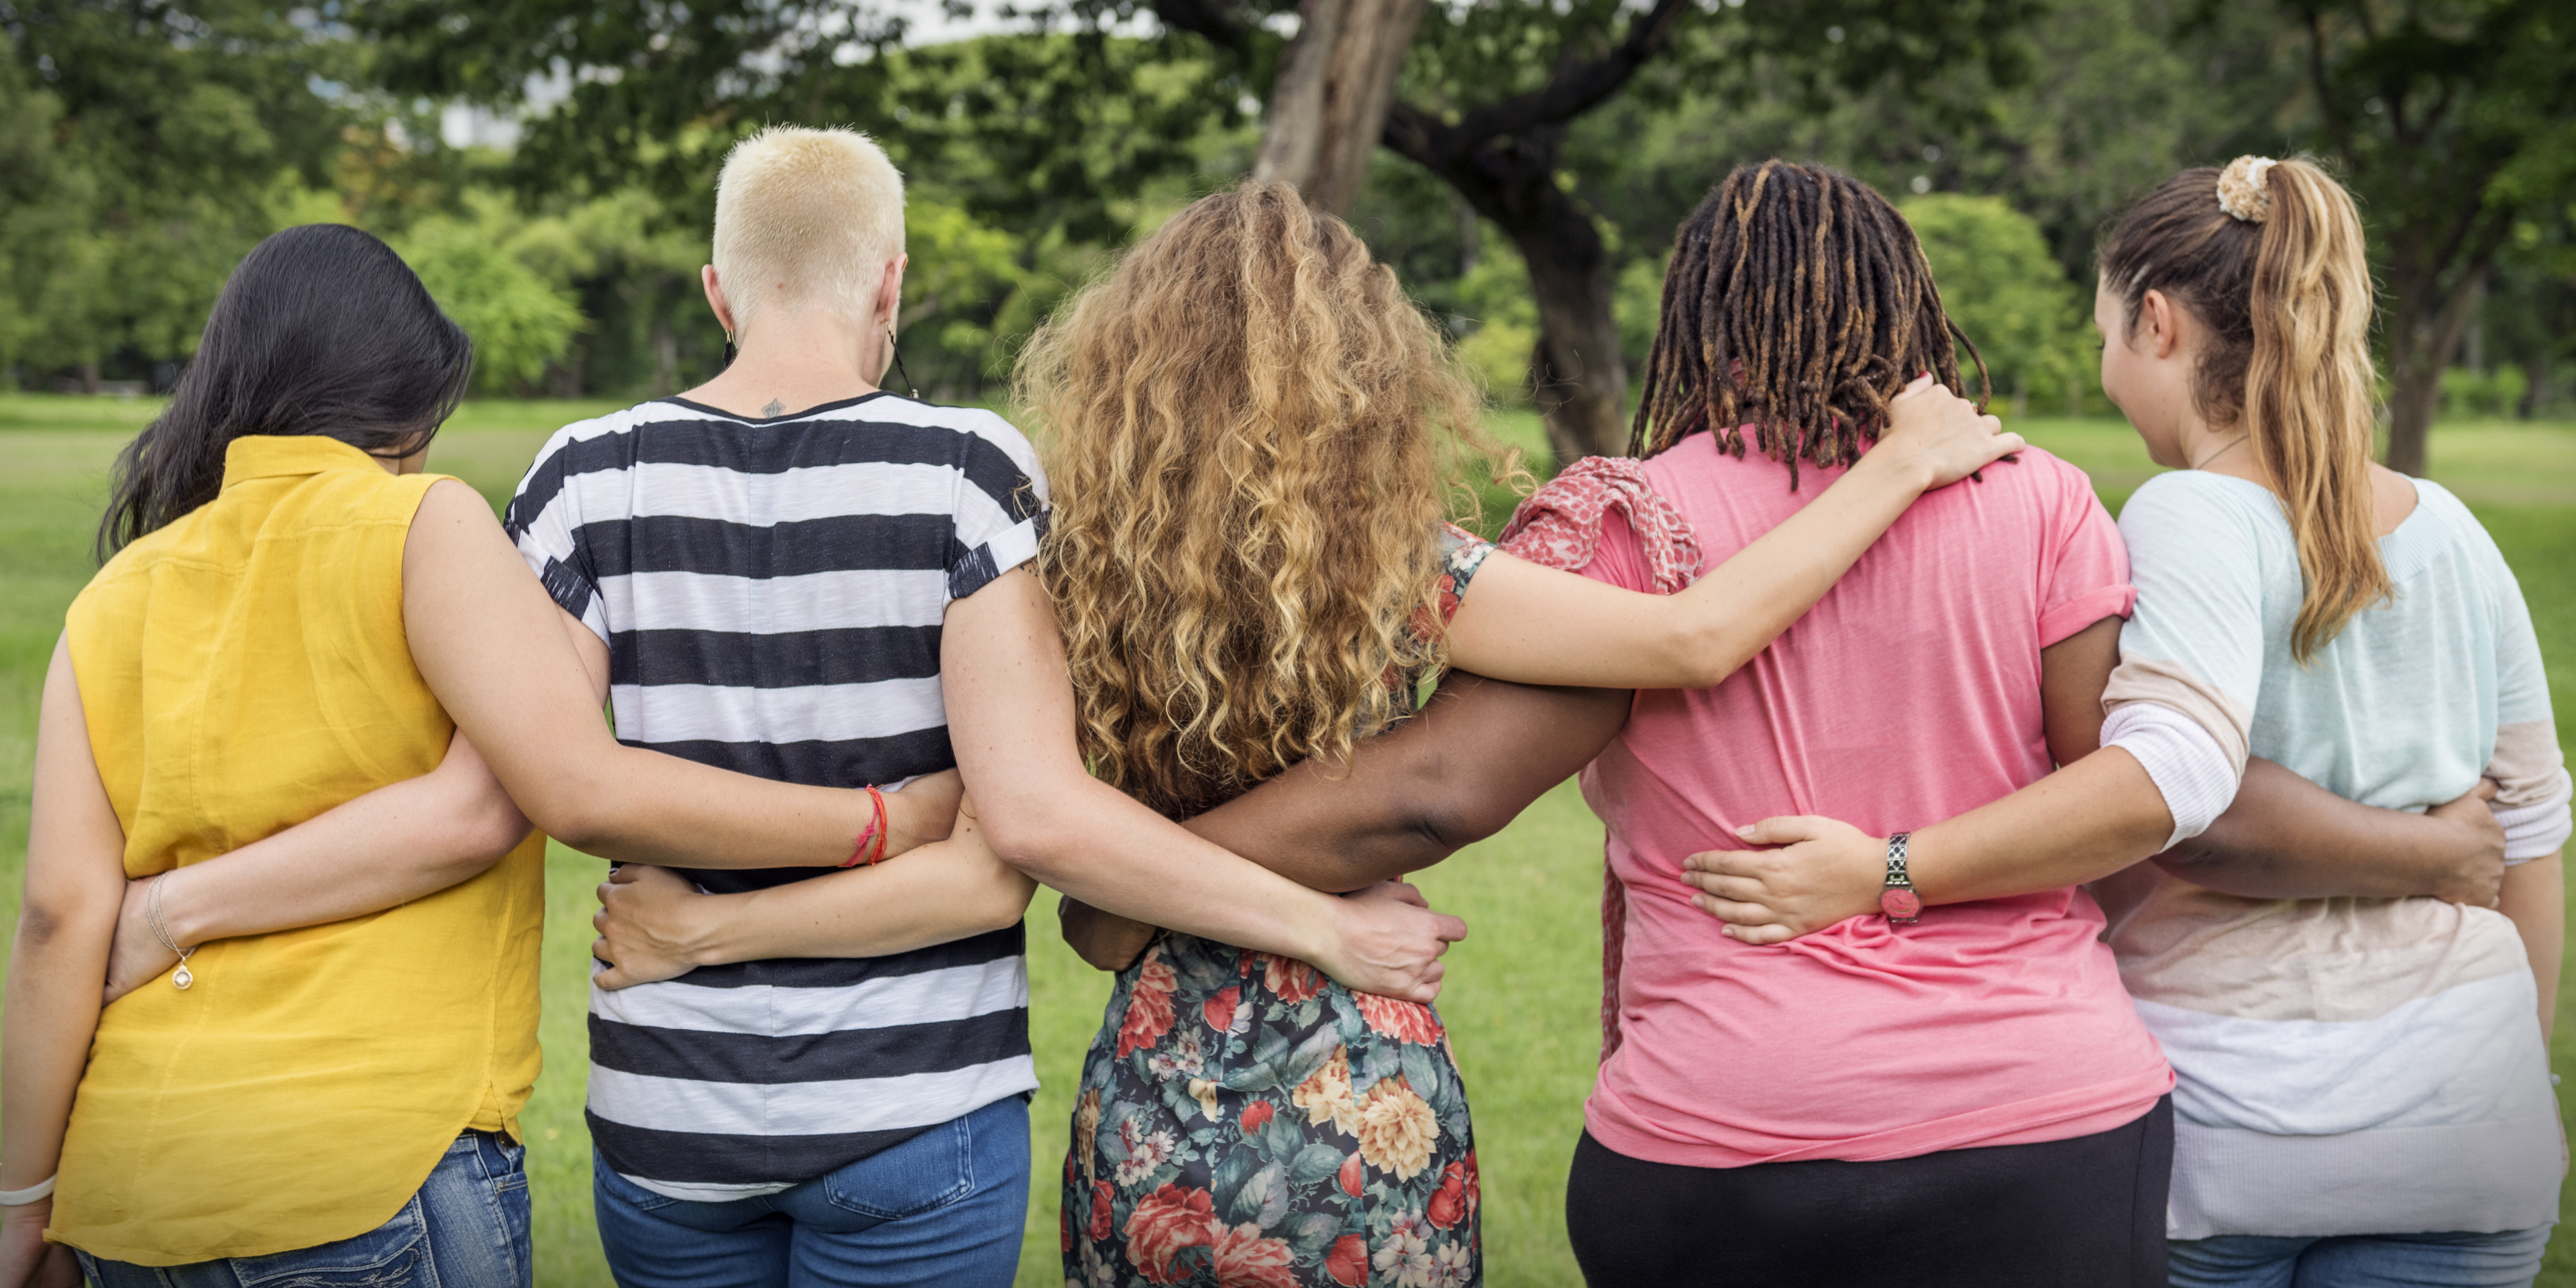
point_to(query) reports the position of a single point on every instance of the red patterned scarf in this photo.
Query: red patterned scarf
(1560, 526)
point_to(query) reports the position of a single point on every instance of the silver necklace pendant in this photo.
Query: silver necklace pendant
(183, 979)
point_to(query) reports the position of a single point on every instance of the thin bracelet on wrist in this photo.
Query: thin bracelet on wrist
(20, 1198)
(183, 977)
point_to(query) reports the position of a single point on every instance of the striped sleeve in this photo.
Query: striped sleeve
(545, 521)
(1000, 506)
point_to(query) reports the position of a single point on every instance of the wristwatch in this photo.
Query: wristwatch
(1897, 898)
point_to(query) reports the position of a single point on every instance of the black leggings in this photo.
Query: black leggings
(2081, 1213)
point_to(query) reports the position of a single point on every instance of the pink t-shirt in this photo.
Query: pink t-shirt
(1909, 694)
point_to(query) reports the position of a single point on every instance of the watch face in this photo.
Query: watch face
(1900, 904)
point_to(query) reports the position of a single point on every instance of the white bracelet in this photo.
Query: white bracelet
(20, 1198)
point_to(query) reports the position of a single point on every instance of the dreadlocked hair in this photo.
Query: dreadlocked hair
(1249, 431)
(1797, 305)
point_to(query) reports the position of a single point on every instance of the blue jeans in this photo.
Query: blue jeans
(466, 1228)
(944, 1207)
(2507, 1260)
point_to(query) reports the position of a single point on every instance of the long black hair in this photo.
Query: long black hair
(1798, 301)
(321, 330)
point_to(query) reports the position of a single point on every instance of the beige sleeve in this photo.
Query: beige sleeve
(2174, 687)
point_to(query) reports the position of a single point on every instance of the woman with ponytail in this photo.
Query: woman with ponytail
(2360, 1048)
(2364, 1081)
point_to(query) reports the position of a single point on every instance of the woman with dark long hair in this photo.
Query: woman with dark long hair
(296, 624)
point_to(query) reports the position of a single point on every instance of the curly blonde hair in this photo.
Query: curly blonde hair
(1246, 427)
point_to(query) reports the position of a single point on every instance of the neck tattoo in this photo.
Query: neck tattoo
(774, 408)
(2222, 451)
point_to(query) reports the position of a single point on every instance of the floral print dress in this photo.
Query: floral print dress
(1245, 1121)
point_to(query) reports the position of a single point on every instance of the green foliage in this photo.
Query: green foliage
(144, 148)
(1498, 322)
(518, 321)
(2002, 288)
(2496, 393)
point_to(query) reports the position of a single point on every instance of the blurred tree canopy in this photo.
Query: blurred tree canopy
(2009, 297)
(1539, 158)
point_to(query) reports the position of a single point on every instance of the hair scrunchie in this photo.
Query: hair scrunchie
(2242, 191)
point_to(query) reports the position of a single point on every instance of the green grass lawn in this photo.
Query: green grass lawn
(1523, 988)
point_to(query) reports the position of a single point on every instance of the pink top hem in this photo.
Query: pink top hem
(2064, 1115)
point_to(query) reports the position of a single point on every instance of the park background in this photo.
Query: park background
(547, 167)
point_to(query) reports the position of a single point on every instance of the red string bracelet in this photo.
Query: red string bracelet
(875, 831)
(878, 799)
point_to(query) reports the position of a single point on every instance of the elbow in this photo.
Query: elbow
(1002, 898)
(1029, 834)
(1440, 828)
(1704, 658)
(486, 832)
(579, 825)
(582, 809)
(48, 921)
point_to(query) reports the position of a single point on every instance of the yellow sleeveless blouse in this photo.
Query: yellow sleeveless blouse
(242, 670)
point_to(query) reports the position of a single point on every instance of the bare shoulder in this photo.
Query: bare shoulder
(2393, 497)
(452, 516)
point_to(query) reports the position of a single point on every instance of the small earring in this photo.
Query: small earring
(728, 347)
(897, 356)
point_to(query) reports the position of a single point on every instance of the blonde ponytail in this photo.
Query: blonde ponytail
(2269, 256)
(2309, 390)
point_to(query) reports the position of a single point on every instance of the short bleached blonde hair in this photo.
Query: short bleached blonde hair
(806, 217)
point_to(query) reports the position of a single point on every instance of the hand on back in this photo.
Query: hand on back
(1818, 872)
(26, 1260)
(649, 921)
(136, 957)
(1931, 429)
(2477, 878)
(1390, 943)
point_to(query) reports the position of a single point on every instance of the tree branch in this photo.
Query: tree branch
(1578, 86)
(1420, 135)
(1224, 23)
(2336, 124)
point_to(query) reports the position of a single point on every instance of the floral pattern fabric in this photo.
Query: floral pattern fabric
(1245, 1122)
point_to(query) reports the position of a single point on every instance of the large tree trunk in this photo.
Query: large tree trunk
(1576, 370)
(2423, 335)
(1329, 103)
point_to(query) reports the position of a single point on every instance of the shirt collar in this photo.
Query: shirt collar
(259, 456)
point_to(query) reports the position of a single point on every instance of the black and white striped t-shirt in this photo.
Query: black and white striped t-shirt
(771, 592)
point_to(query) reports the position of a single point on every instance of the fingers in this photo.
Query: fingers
(1759, 935)
(1449, 929)
(1404, 892)
(1737, 912)
(1740, 889)
(1916, 387)
(1426, 989)
(599, 949)
(2486, 789)
(1786, 829)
